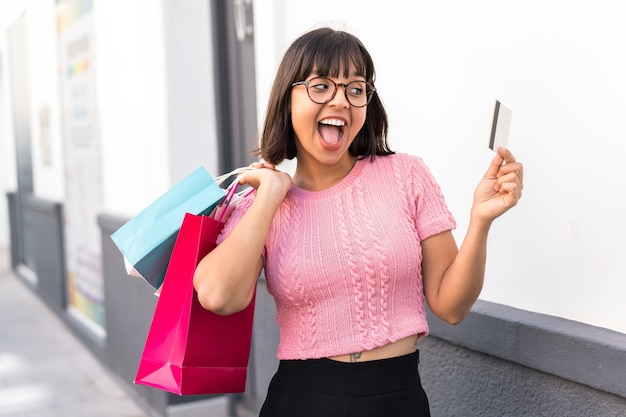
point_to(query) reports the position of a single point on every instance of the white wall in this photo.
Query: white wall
(47, 143)
(559, 66)
(131, 96)
(150, 136)
(8, 180)
(42, 72)
(191, 103)
(153, 135)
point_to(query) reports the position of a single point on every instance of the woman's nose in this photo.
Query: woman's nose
(340, 99)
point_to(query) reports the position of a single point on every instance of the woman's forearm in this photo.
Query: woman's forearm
(463, 281)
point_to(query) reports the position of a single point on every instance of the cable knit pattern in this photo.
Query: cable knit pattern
(362, 223)
(344, 264)
(380, 281)
(345, 220)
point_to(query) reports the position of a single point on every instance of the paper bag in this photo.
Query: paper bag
(190, 350)
(146, 241)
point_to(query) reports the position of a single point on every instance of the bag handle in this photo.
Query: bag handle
(219, 180)
(232, 194)
(238, 172)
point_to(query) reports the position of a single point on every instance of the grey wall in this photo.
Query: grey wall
(49, 253)
(265, 338)
(129, 304)
(571, 350)
(463, 382)
(15, 232)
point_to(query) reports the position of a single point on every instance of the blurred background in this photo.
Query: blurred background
(104, 105)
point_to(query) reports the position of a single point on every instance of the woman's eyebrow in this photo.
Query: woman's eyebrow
(355, 74)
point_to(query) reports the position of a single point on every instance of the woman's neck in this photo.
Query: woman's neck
(320, 177)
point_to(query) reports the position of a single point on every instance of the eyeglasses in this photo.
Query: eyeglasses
(322, 90)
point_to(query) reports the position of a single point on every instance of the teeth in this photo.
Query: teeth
(333, 122)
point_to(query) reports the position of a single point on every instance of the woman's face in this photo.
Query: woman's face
(324, 132)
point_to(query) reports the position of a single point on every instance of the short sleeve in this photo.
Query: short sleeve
(432, 215)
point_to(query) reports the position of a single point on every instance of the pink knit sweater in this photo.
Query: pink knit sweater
(344, 264)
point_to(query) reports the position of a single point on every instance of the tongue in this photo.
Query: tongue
(330, 134)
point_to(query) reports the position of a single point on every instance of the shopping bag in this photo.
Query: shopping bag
(190, 350)
(146, 240)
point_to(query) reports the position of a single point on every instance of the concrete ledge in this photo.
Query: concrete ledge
(42, 206)
(571, 350)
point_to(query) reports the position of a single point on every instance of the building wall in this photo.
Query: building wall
(561, 76)
(7, 165)
(468, 383)
(156, 97)
(559, 66)
(8, 175)
(153, 83)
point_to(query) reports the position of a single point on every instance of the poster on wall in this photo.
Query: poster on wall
(75, 24)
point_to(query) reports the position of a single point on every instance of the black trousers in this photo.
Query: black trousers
(327, 388)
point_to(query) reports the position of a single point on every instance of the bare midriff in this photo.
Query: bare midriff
(399, 348)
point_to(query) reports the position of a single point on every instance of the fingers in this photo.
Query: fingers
(509, 173)
(504, 163)
(511, 166)
(506, 155)
(252, 177)
(509, 183)
(495, 165)
(511, 187)
(262, 164)
(266, 173)
(500, 188)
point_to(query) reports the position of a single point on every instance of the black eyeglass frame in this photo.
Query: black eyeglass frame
(369, 86)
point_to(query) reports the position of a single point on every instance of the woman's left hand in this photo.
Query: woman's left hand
(501, 187)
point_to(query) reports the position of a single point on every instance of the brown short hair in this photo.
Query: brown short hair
(326, 51)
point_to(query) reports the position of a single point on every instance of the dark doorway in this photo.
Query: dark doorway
(233, 37)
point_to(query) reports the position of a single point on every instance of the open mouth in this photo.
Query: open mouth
(331, 130)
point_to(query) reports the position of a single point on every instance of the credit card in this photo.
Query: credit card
(500, 127)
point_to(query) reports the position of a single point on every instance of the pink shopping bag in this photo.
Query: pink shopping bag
(190, 350)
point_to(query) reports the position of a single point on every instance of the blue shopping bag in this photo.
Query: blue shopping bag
(147, 240)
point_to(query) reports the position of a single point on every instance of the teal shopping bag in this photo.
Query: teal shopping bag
(147, 240)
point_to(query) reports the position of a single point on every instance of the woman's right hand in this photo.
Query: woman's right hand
(267, 179)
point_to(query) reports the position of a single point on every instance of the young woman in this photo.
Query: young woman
(352, 245)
